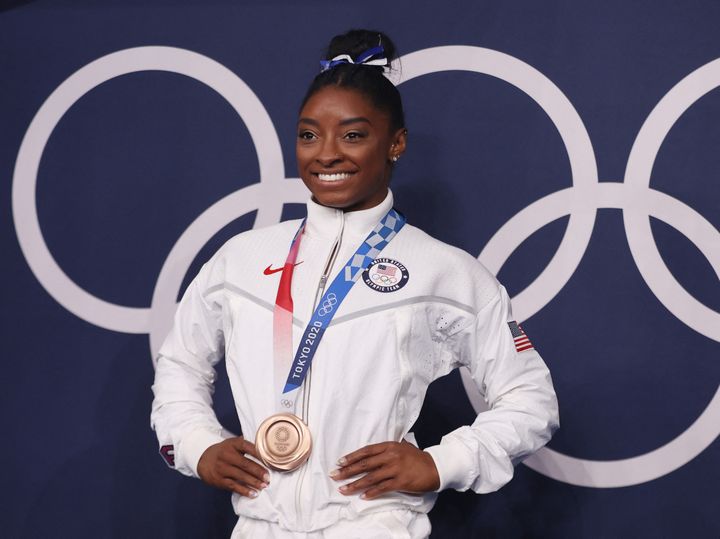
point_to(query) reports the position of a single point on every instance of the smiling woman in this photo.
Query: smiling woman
(331, 407)
(345, 149)
(352, 126)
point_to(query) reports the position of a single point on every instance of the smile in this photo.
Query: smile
(338, 176)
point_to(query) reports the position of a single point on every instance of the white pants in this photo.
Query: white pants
(400, 524)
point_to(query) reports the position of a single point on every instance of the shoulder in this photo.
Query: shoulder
(260, 238)
(452, 271)
(258, 242)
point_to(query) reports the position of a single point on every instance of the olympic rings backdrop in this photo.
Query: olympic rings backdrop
(572, 147)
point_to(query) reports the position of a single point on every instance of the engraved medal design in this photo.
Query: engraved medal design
(283, 442)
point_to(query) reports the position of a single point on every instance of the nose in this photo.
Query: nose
(329, 154)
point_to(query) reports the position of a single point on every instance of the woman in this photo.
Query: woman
(409, 310)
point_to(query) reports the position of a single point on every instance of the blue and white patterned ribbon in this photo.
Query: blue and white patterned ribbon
(379, 237)
(374, 56)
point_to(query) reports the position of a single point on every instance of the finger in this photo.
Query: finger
(238, 460)
(364, 452)
(249, 447)
(241, 489)
(363, 465)
(367, 481)
(241, 476)
(378, 490)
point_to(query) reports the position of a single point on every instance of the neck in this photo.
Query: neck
(364, 205)
(324, 220)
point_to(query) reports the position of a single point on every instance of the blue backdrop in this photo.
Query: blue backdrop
(572, 146)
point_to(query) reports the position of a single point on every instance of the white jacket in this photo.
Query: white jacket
(370, 373)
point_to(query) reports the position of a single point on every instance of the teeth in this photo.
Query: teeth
(334, 177)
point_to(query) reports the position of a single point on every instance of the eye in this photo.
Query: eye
(354, 135)
(306, 135)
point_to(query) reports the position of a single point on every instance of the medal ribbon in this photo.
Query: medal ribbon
(379, 237)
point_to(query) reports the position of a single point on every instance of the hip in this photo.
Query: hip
(394, 524)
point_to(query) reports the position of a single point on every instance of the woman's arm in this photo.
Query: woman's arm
(523, 410)
(191, 438)
(182, 413)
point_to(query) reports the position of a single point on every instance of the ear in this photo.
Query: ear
(398, 145)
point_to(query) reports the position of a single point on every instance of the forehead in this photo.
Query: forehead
(334, 102)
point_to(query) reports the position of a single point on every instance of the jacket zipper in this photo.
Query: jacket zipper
(308, 380)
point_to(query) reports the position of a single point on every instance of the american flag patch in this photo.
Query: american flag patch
(383, 269)
(521, 340)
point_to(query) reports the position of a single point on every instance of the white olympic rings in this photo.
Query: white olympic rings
(580, 201)
(170, 59)
(327, 306)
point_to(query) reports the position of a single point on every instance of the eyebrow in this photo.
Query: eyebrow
(346, 121)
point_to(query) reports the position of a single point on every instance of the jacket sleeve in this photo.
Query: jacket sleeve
(182, 414)
(523, 409)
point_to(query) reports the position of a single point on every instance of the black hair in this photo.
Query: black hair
(368, 80)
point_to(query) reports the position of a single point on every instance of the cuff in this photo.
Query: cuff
(194, 444)
(453, 464)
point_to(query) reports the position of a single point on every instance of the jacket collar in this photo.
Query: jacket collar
(325, 222)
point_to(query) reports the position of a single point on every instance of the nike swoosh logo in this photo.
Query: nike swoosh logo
(269, 270)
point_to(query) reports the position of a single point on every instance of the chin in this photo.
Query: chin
(330, 201)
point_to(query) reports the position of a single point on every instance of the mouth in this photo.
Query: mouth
(334, 177)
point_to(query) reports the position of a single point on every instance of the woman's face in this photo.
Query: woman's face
(345, 148)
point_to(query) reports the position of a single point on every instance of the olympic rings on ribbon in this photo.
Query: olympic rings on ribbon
(327, 306)
(633, 196)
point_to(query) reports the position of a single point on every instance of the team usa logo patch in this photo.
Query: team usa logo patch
(386, 275)
(522, 342)
(167, 452)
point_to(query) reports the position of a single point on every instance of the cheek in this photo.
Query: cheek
(302, 157)
(372, 158)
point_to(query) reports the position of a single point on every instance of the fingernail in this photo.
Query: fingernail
(266, 477)
(263, 485)
(363, 496)
(343, 488)
(253, 493)
(334, 473)
(342, 461)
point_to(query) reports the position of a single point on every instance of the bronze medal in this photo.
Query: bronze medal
(283, 442)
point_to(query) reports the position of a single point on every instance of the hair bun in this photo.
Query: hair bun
(356, 42)
(357, 61)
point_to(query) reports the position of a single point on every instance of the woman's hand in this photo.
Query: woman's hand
(387, 467)
(224, 465)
